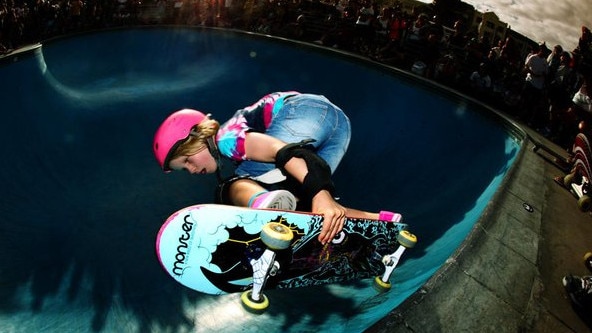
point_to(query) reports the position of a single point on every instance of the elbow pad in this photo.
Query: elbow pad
(319, 173)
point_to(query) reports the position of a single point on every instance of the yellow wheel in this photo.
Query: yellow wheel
(276, 236)
(406, 239)
(584, 203)
(252, 305)
(381, 285)
(568, 180)
(588, 260)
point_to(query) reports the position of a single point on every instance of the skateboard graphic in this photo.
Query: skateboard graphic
(578, 180)
(218, 249)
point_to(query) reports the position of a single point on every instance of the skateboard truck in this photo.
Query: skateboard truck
(579, 185)
(390, 261)
(275, 236)
(262, 269)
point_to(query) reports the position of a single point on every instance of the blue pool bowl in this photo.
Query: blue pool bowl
(84, 197)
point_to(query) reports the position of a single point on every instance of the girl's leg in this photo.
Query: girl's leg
(247, 193)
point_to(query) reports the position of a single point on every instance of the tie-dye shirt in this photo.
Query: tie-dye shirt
(254, 118)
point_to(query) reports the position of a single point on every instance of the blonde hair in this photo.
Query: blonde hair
(197, 140)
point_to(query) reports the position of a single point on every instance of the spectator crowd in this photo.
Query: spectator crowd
(546, 88)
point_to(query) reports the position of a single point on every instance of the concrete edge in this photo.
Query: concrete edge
(492, 279)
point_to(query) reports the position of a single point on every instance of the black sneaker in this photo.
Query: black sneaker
(579, 289)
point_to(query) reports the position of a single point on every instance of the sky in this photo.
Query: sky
(553, 22)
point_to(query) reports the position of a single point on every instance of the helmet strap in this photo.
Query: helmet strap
(213, 148)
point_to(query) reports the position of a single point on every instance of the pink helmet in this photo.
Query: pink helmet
(173, 130)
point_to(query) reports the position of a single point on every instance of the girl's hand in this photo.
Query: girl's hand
(333, 215)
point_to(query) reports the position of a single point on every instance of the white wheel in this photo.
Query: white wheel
(339, 238)
(276, 236)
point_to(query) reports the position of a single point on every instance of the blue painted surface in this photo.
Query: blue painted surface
(83, 197)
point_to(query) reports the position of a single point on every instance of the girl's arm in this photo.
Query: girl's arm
(263, 148)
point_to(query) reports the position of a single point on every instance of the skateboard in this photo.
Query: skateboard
(219, 249)
(578, 180)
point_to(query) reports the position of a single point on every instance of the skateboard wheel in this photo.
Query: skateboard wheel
(584, 203)
(339, 238)
(276, 236)
(381, 285)
(588, 261)
(252, 305)
(406, 239)
(568, 180)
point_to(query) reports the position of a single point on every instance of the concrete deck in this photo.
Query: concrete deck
(507, 277)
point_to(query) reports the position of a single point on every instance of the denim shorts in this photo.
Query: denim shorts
(307, 116)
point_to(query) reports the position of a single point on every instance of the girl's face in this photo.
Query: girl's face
(200, 163)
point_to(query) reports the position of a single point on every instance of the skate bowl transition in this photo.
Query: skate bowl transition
(83, 197)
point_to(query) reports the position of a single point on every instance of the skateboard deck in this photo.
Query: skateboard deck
(582, 155)
(218, 249)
